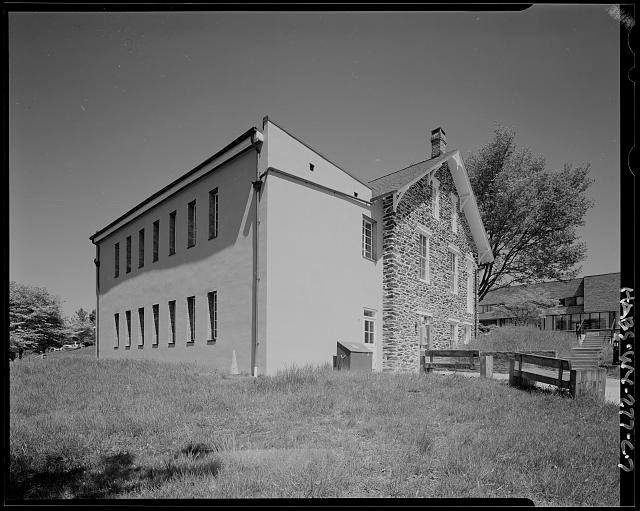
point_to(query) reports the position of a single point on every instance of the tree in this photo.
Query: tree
(35, 318)
(80, 327)
(527, 305)
(531, 214)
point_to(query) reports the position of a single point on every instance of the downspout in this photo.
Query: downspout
(96, 261)
(256, 140)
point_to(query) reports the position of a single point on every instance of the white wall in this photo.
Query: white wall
(318, 281)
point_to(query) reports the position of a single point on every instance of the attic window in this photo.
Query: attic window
(311, 167)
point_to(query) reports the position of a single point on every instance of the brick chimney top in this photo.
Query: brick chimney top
(438, 142)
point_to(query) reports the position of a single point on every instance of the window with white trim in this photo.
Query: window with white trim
(368, 238)
(424, 257)
(435, 198)
(172, 322)
(128, 318)
(470, 286)
(454, 213)
(369, 326)
(156, 323)
(213, 213)
(453, 334)
(191, 224)
(116, 256)
(212, 298)
(453, 272)
(191, 310)
(116, 339)
(141, 326)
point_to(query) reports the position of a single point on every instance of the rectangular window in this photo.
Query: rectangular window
(212, 299)
(172, 322)
(435, 204)
(128, 254)
(453, 332)
(116, 260)
(467, 334)
(369, 326)
(453, 272)
(213, 213)
(116, 338)
(424, 258)
(191, 308)
(156, 239)
(156, 323)
(367, 238)
(172, 233)
(191, 228)
(470, 286)
(141, 324)
(454, 212)
(128, 318)
(140, 248)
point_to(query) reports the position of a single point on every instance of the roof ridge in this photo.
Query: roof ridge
(403, 168)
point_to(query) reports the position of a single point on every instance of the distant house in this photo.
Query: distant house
(267, 254)
(593, 301)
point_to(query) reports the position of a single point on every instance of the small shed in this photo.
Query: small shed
(353, 356)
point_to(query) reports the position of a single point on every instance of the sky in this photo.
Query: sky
(107, 108)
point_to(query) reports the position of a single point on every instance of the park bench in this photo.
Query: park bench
(467, 360)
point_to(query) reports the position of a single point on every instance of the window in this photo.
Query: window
(570, 301)
(579, 300)
(453, 334)
(369, 326)
(467, 334)
(172, 233)
(116, 259)
(453, 272)
(191, 221)
(128, 254)
(140, 248)
(141, 324)
(116, 339)
(156, 323)
(172, 322)
(424, 258)
(191, 308)
(424, 331)
(156, 239)
(367, 237)
(128, 318)
(435, 204)
(454, 212)
(470, 286)
(213, 213)
(212, 299)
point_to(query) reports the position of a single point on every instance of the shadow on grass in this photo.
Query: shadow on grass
(114, 475)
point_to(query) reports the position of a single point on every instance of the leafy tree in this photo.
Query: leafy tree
(80, 327)
(531, 214)
(92, 317)
(527, 305)
(35, 318)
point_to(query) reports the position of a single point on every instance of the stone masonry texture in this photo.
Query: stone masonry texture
(404, 294)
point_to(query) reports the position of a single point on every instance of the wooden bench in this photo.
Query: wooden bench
(520, 377)
(471, 356)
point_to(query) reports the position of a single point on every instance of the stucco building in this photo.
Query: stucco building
(267, 254)
(593, 301)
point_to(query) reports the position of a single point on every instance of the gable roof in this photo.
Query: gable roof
(555, 288)
(396, 180)
(400, 181)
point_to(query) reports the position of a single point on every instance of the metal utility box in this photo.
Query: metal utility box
(353, 356)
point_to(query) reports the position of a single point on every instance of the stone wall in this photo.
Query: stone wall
(404, 294)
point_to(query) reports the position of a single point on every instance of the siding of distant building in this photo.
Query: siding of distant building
(406, 297)
(602, 292)
(223, 264)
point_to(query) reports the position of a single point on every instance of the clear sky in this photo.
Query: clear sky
(107, 108)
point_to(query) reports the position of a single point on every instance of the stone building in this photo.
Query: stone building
(267, 254)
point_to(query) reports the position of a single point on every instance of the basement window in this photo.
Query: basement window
(191, 309)
(212, 299)
(116, 339)
(156, 323)
(172, 322)
(141, 326)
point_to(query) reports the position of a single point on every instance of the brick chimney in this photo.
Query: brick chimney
(438, 142)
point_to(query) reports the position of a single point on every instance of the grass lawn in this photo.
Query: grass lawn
(82, 428)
